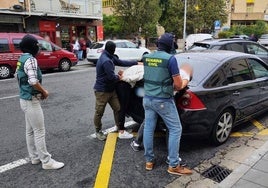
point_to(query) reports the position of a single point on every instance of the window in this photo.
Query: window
(238, 47)
(44, 45)
(255, 49)
(238, 71)
(121, 45)
(216, 80)
(107, 3)
(258, 69)
(4, 47)
(16, 43)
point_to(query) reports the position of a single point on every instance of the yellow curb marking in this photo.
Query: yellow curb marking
(263, 130)
(240, 134)
(257, 124)
(103, 175)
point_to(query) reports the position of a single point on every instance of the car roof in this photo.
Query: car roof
(18, 35)
(224, 41)
(214, 56)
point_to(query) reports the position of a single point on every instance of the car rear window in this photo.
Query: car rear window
(201, 66)
(4, 47)
(97, 45)
(199, 46)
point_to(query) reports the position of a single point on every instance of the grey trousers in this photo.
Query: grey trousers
(35, 130)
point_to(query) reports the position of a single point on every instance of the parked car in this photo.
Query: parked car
(227, 88)
(50, 55)
(125, 50)
(239, 45)
(263, 40)
(192, 38)
(240, 37)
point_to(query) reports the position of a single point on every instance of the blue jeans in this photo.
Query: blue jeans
(167, 110)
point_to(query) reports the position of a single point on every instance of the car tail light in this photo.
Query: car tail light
(100, 50)
(189, 101)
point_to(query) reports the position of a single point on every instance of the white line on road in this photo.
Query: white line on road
(9, 97)
(13, 164)
(26, 160)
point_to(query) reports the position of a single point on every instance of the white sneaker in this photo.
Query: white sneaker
(125, 135)
(35, 161)
(52, 165)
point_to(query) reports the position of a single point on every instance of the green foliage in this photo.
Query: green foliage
(225, 34)
(135, 14)
(111, 28)
(258, 29)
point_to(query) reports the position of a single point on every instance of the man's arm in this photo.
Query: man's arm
(123, 63)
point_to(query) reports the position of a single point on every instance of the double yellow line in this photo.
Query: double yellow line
(263, 131)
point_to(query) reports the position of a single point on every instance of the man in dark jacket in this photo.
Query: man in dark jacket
(104, 88)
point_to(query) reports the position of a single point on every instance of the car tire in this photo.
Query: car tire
(5, 71)
(65, 65)
(222, 127)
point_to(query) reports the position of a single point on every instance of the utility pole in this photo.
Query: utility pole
(184, 22)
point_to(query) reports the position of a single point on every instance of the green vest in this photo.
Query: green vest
(157, 79)
(26, 90)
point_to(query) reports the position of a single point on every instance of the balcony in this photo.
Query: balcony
(247, 16)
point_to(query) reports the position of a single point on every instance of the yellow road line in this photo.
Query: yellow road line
(240, 134)
(103, 176)
(257, 124)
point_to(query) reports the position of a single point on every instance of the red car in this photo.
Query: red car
(50, 56)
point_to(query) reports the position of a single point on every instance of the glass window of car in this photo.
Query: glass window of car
(97, 45)
(238, 71)
(16, 43)
(238, 47)
(256, 49)
(121, 45)
(216, 80)
(45, 45)
(258, 69)
(4, 47)
(131, 45)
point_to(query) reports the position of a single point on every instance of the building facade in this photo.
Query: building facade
(246, 12)
(60, 19)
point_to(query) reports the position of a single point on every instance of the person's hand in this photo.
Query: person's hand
(140, 63)
(120, 72)
(45, 94)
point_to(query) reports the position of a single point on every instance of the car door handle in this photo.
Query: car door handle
(236, 93)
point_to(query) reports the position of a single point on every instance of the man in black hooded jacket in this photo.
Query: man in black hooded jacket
(104, 89)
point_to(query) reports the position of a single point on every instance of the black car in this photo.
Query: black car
(238, 45)
(227, 89)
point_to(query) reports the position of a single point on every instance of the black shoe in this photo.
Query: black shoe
(182, 162)
(135, 146)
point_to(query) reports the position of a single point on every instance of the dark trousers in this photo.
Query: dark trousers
(123, 90)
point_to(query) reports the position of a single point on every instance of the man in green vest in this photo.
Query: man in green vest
(31, 92)
(161, 78)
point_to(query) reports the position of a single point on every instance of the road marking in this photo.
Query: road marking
(263, 131)
(13, 164)
(104, 171)
(257, 124)
(14, 96)
(240, 134)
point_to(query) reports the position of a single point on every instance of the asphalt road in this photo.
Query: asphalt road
(69, 114)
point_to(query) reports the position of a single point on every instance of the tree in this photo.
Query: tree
(111, 27)
(201, 15)
(135, 14)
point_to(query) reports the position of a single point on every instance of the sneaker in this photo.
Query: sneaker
(101, 136)
(179, 170)
(52, 165)
(35, 161)
(135, 146)
(182, 162)
(125, 135)
(149, 166)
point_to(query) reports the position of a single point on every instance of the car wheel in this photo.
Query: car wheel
(65, 65)
(222, 127)
(5, 71)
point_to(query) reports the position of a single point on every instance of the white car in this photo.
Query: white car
(125, 50)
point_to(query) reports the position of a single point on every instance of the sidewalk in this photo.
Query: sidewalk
(253, 173)
(248, 162)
